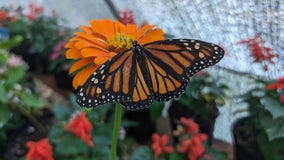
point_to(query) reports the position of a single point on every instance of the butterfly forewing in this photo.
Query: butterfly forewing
(110, 83)
(172, 62)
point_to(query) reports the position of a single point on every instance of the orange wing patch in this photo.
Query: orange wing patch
(141, 90)
(168, 60)
(161, 81)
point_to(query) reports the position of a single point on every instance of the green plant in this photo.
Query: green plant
(16, 99)
(40, 32)
(266, 108)
(69, 146)
(204, 92)
(261, 134)
(191, 145)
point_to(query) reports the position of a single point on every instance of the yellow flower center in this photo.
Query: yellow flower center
(120, 42)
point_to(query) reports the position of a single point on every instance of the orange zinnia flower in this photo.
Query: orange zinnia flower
(102, 40)
(39, 150)
(81, 127)
(159, 145)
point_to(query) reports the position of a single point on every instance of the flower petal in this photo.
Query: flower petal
(155, 137)
(141, 32)
(82, 76)
(119, 27)
(87, 29)
(104, 27)
(94, 52)
(92, 39)
(79, 64)
(101, 60)
(131, 29)
(83, 44)
(73, 53)
(154, 35)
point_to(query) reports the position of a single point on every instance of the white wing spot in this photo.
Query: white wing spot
(96, 81)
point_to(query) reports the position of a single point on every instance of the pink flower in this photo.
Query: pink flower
(14, 61)
(126, 17)
(59, 46)
(54, 56)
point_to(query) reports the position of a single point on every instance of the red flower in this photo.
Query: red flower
(281, 98)
(258, 51)
(40, 150)
(81, 127)
(279, 84)
(159, 145)
(126, 17)
(193, 146)
(271, 86)
(3, 15)
(34, 11)
(190, 126)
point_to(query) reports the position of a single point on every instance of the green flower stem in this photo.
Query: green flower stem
(28, 115)
(115, 132)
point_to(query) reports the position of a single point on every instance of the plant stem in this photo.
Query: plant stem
(116, 128)
(29, 116)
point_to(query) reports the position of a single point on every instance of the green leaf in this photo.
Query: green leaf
(11, 43)
(32, 101)
(70, 144)
(16, 74)
(142, 153)
(273, 106)
(66, 143)
(61, 112)
(102, 152)
(3, 94)
(271, 149)
(73, 102)
(274, 128)
(216, 154)
(5, 114)
(176, 156)
(156, 110)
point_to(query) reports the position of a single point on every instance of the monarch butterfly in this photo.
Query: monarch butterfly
(158, 70)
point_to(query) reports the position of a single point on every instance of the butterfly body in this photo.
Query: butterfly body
(159, 70)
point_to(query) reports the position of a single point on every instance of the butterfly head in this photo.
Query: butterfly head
(136, 47)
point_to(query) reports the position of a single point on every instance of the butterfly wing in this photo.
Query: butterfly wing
(172, 62)
(118, 80)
